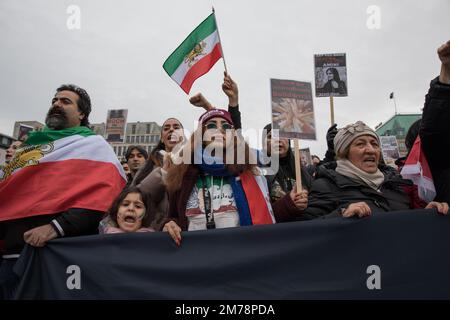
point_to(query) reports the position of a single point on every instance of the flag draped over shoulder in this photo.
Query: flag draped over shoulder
(416, 168)
(196, 55)
(57, 170)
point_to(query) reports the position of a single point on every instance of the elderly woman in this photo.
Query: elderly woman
(357, 187)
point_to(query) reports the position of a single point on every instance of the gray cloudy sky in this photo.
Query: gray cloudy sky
(118, 53)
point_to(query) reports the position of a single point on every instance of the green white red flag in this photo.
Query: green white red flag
(58, 170)
(196, 55)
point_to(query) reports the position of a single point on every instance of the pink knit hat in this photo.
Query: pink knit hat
(213, 113)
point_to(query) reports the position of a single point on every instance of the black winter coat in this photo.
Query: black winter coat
(435, 137)
(331, 192)
(73, 222)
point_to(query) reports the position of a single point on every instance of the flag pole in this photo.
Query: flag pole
(395, 106)
(220, 41)
(332, 110)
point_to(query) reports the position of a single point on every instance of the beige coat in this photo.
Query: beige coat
(153, 185)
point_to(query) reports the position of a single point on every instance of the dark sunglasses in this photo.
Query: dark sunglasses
(213, 125)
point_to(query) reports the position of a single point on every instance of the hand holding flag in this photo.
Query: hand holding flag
(230, 88)
(196, 55)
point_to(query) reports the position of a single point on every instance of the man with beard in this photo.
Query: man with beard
(46, 186)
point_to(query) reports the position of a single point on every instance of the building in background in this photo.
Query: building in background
(98, 128)
(5, 142)
(145, 134)
(21, 128)
(398, 126)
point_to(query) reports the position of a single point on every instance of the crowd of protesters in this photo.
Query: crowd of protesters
(164, 192)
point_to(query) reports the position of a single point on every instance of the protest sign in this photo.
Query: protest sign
(115, 125)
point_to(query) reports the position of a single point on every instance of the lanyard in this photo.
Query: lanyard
(210, 224)
(208, 201)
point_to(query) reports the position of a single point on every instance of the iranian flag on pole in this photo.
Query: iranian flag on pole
(58, 170)
(196, 55)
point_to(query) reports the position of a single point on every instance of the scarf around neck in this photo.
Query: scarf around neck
(349, 170)
(49, 135)
(250, 202)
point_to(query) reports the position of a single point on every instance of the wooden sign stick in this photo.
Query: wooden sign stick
(332, 110)
(298, 175)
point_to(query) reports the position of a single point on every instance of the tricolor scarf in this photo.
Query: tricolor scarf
(250, 202)
(58, 170)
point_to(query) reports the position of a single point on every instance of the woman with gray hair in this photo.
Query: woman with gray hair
(358, 187)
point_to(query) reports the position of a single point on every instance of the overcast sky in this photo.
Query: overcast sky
(118, 52)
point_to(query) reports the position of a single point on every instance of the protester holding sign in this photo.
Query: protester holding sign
(209, 190)
(286, 201)
(357, 187)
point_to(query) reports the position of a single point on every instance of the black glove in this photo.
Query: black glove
(331, 133)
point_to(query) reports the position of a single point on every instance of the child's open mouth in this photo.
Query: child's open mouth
(130, 219)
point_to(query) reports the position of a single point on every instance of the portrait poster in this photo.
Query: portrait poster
(331, 75)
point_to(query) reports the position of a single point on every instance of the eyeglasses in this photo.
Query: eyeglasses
(213, 125)
(356, 127)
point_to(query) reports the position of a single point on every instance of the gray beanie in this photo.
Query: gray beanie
(346, 135)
